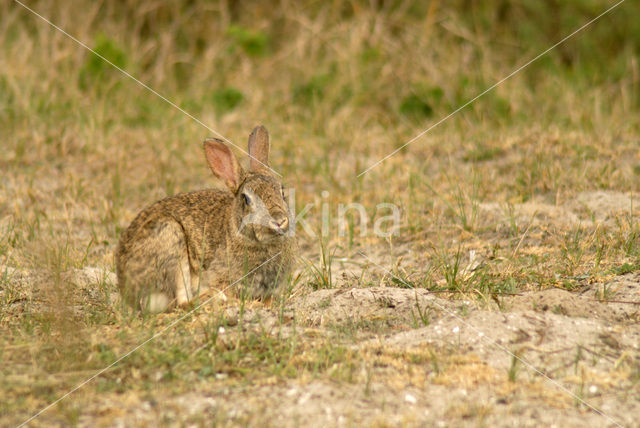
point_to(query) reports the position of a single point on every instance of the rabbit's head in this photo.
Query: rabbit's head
(260, 210)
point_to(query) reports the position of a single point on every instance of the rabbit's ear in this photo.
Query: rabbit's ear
(259, 148)
(223, 163)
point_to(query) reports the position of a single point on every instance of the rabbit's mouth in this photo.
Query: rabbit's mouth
(263, 233)
(279, 225)
(268, 234)
(263, 226)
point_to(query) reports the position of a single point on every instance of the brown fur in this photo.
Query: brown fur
(182, 245)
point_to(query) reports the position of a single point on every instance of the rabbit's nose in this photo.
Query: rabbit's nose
(281, 224)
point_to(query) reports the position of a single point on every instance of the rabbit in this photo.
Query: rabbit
(179, 247)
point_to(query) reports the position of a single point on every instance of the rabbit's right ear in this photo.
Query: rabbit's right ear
(223, 163)
(259, 149)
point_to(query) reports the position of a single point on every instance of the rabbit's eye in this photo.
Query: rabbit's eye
(246, 199)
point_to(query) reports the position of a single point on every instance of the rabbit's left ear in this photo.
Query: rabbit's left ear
(223, 163)
(259, 148)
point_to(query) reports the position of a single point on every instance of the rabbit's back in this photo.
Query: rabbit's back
(200, 214)
(187, 229)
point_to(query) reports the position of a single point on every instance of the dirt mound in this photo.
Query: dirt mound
(585, 209)
(604, 206)
(542, 358)
(563, 302)
(396, 306)
(576, 349)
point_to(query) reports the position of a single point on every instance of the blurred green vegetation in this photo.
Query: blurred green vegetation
(169, 45)
(252, 42)
(95, 69)
(355, 76)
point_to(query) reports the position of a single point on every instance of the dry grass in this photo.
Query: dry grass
(339, 85)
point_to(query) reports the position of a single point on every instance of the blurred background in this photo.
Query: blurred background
(339, 84)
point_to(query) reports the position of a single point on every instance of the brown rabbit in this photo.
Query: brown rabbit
(180, 246)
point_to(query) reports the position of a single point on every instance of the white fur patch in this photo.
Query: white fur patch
(157, 302)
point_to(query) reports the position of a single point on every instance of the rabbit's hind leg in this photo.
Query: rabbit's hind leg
(177, 271)
(184, 290)
(170, 265)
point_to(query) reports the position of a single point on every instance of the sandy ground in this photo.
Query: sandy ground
(543, 358)
(577, 365)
